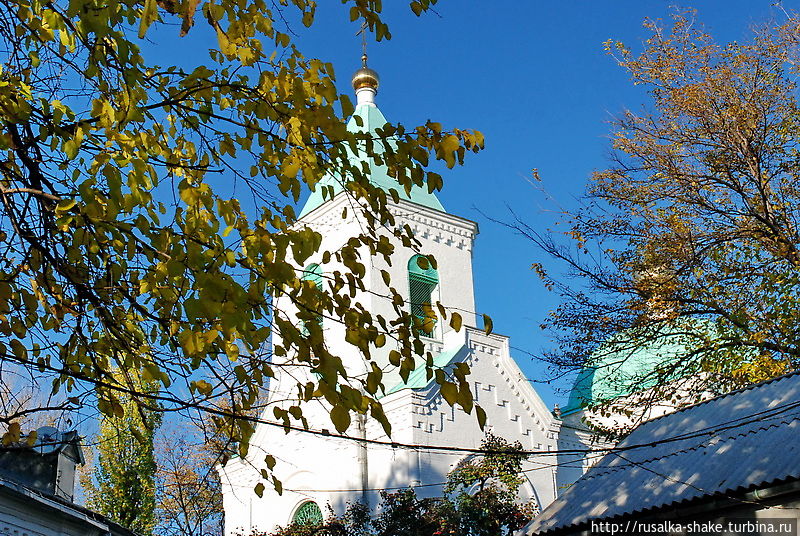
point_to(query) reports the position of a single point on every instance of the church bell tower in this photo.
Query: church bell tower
(319, 472)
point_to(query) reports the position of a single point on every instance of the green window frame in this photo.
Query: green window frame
(422, 283)
(308, 513)
(313, 273)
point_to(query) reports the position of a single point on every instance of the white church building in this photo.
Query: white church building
(319, 472)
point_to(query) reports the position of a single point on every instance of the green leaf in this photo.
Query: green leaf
(70, 149)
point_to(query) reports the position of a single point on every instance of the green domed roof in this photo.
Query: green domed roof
(622, 365)
(371, 119)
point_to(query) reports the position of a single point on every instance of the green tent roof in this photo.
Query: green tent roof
(371, 119)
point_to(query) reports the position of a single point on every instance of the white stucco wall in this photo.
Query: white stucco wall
(327, 470)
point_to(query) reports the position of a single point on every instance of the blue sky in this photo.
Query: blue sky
(534, 78)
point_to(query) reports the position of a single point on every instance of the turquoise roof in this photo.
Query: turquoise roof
(621, 366)
(371, 119)
(418, 378)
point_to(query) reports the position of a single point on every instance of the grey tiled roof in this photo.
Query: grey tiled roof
(743, 440)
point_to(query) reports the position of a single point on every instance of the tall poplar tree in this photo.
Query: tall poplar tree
(124, 487)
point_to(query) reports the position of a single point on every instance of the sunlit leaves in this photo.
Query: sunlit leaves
(151, 211)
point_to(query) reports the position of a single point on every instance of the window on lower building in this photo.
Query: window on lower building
(313, 274)
(308, 514)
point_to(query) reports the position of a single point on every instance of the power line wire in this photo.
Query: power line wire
(443, 448)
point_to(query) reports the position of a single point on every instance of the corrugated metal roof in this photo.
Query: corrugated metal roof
(745, 439)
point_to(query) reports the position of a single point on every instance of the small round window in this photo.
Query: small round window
(308, 514)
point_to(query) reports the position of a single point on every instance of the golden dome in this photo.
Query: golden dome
(365, 77)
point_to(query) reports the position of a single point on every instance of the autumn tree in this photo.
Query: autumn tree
(147, 207)
(188, 496)
(691, 237)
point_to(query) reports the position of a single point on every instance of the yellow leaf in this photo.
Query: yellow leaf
(149, 14)
(448, 148)
(12, 434)
(188, 16)
(70, 149)
(203, 387)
